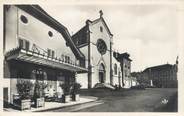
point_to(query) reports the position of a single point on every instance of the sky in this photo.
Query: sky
(147, 32)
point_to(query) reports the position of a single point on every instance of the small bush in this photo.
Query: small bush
(66, 88)
(24, 87)
(75, 88)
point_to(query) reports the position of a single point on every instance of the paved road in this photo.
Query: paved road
(149, 100)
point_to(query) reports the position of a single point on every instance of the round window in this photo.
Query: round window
(101, 46)
(24, 19)
(50, 33)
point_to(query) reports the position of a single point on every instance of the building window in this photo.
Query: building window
(115, 69)
(50, 33)
(53, 53)
(101, 29)
(67, 59)
(27, 45)
(126, 73)
(50, 53)
(62, 58)
(24, 19)
(24, 44)
(21, 43)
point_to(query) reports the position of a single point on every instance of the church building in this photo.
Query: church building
(95, 41)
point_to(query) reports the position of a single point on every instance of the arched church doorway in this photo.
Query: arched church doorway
(102, 73)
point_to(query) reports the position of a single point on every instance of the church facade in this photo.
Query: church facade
(95, 41)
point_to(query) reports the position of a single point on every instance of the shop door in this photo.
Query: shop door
(5, 97)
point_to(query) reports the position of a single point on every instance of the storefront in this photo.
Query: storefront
(37, 48)
(27, 65)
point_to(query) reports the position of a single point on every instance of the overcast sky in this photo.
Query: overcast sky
(147, 32)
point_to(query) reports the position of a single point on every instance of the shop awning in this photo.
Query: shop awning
(40, 59)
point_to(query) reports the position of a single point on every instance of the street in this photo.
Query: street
(149, 100)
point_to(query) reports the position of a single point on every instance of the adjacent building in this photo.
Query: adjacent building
(162, 75)
(37, 47)
(159, 76)
(125, 64)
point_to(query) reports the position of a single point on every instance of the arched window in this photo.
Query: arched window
(115, 69)
(101, 29)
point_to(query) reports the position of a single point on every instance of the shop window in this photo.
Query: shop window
(115, 69)
(24, 19)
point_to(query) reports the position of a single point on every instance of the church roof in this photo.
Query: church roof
(81, 34)
(101, 19)
(43, 16)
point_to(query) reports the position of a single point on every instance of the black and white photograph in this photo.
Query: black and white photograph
(100, 57)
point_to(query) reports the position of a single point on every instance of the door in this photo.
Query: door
(5, 97)
(101, 77)
(102, 73)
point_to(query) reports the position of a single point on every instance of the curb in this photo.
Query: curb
(55, 108)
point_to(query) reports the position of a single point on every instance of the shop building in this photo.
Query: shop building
(37, 47)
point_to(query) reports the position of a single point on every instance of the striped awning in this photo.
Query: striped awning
(39, 59)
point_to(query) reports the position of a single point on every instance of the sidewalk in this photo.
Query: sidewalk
(56, 105)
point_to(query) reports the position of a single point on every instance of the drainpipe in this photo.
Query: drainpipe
(89, 56)
(111, 76)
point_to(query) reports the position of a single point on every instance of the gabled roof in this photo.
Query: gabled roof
(41, 15)
(80, 35)
(101, 19)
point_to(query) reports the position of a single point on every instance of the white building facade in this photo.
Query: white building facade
(95, 41)
(37, 47)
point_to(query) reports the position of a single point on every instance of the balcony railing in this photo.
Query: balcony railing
(63, 60)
